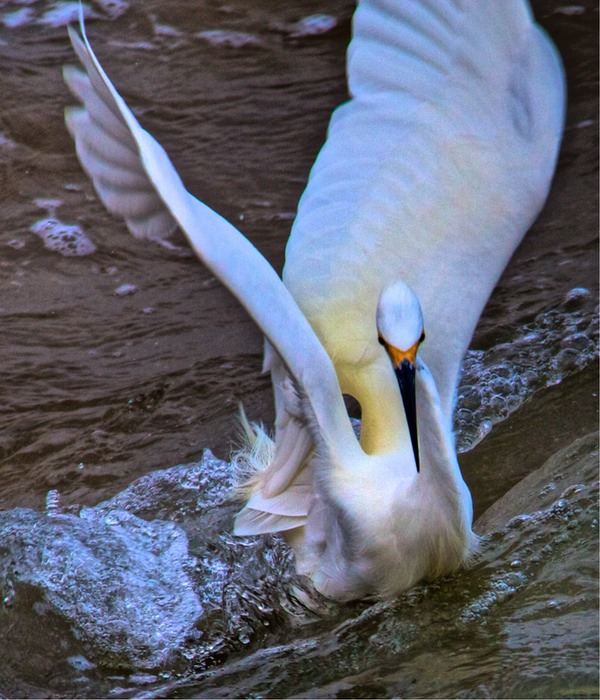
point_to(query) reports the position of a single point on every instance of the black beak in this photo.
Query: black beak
(405, 374)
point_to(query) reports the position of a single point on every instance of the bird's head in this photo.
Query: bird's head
(400, 329)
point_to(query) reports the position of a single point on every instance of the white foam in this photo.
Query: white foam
(62, 13)
(16, 243)
(133, 45)
(570, 10)
(6, 143)
(17, 18)
(223, 37)
(66, 239)
(125, 290)
(167, 30)
(313, 25)
(50, 205)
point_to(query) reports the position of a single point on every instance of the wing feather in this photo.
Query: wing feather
(431, 173)
(135, 178)
(109, 154)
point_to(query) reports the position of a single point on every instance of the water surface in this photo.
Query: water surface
(125, 358)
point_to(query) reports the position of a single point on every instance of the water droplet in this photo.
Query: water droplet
(53, 502)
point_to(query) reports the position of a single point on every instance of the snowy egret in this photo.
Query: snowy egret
(430, 175)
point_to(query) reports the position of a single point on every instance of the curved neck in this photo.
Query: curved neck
(384, 428)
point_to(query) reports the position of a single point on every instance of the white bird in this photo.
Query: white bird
(430, 175)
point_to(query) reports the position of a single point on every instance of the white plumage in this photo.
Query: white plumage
(430, 176)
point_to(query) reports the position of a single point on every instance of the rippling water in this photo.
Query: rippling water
(120, 358)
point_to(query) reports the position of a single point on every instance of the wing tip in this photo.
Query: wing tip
(76, 40)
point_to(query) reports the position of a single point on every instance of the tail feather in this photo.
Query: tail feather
(256, 465)
(288, 510)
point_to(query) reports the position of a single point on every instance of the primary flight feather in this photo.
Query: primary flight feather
(430, 175)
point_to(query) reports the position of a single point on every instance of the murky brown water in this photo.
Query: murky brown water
(101, 383)
(127, 384)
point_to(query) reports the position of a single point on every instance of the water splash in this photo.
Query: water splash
(53, 505)
(160, 551)
(459, 633)
(122, 583)
(496, 382)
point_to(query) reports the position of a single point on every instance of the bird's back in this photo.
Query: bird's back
(431, 173)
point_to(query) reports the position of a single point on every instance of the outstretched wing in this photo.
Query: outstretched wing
(135, 178)
(108, 153)
(431, 173)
